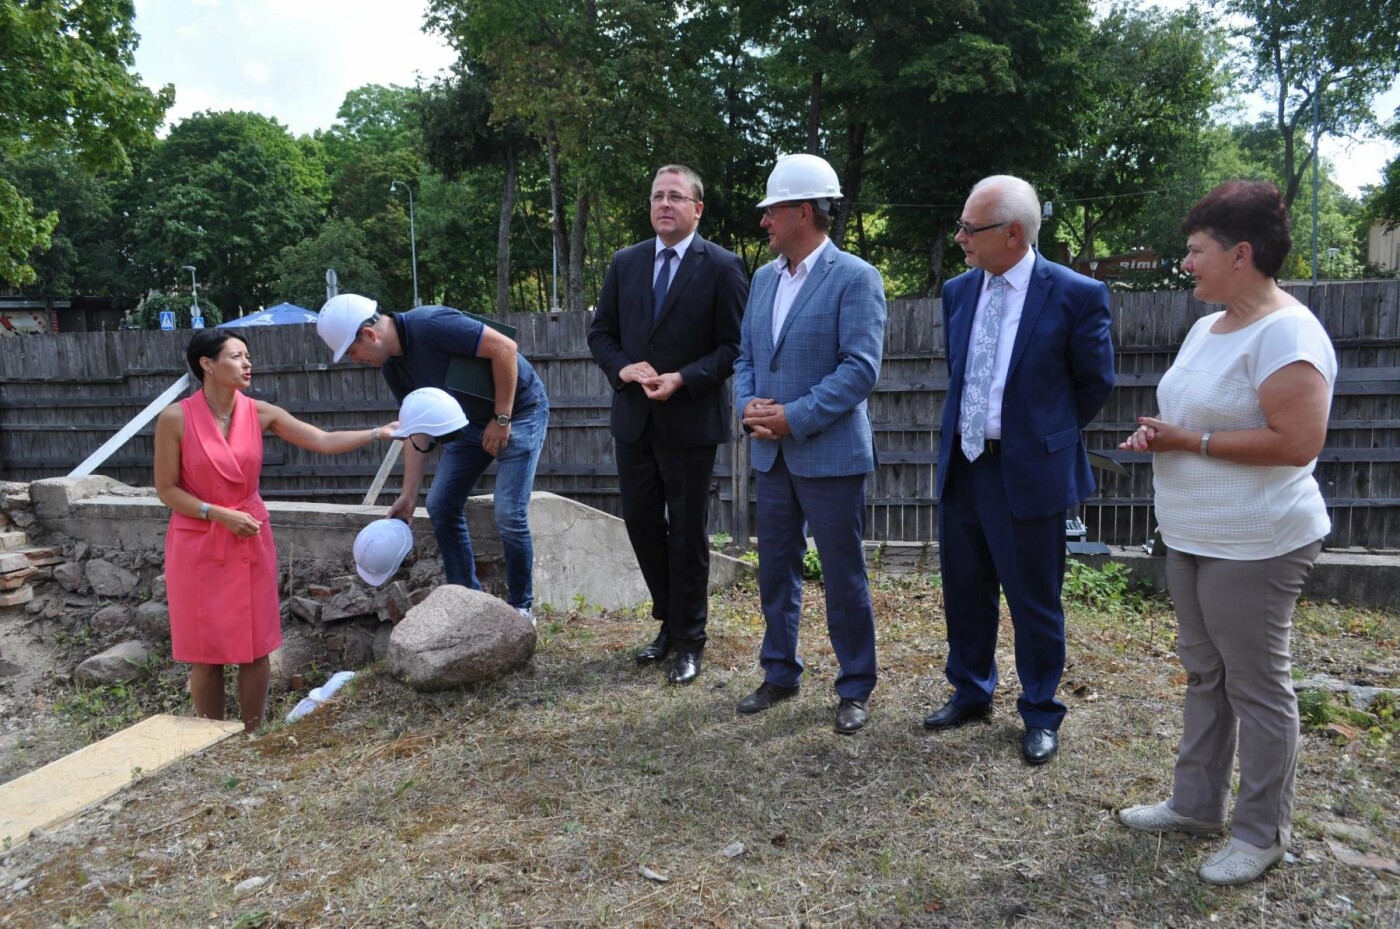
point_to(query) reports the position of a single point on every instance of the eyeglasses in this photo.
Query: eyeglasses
(970, 231)
(671, 197)
(768, 210)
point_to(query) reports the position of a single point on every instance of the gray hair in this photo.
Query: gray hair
(1015, 202)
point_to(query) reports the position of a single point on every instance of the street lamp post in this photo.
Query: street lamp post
(194, 292)
(412, 236)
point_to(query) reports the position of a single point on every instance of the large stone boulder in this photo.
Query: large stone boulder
(110, 580)
(153, 619)
(459, 636)
(118, 664)
(296, 655)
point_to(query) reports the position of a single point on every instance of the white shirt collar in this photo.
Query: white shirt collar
(806, 264)
(1018, 276)
(680, 247)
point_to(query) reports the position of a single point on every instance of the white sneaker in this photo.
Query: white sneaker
(527, 613)
(1159, 817)
(1239, 862)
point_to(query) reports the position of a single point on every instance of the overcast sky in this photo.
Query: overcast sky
(296, 61)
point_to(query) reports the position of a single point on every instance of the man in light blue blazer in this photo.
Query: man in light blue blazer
(809, 357)
(1030, 363)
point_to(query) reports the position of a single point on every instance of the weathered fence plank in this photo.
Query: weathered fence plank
(62, 395)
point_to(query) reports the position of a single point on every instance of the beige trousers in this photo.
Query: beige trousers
(1234, 621)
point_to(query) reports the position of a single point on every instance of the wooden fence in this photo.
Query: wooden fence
(62, 395)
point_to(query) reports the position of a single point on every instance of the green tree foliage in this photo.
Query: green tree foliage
(375, 142)
(85, 254)
(66, 85)
(970, 89)
(1141, 153)
(341, 244)
(148, 316)
(226, 192)
(1384, 203)
(1341, 52)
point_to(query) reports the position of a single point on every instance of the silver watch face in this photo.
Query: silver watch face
(502, 420)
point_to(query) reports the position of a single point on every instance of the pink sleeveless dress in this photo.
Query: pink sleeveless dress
(222, 590)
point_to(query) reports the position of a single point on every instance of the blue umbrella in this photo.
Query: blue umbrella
(283, 314)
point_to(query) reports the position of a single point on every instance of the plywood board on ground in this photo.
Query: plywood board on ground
(57, 792)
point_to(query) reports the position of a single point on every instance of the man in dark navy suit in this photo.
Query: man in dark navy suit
(666, 333)
(1030, 363)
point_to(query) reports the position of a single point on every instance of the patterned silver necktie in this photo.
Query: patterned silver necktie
(980, 367)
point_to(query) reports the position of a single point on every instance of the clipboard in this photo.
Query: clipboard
(471, 374)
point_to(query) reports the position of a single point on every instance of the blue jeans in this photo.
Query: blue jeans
(463, 463)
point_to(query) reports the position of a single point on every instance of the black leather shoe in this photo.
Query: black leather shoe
(952, 715)
(1039, 745)
(657, 650)
(766, 695)
(851, 716)
(686, 667)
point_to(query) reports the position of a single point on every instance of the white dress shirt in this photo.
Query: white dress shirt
(679, 248)
(1018, 280)
(790, 285)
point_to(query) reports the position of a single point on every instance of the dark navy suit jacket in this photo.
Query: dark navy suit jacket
(1061, 373)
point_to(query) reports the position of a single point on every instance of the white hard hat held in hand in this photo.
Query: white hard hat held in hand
(430, 411)
(380, 548)
(341, 320)
(802, 177)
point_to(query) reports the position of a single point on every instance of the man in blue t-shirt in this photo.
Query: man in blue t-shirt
(413, 349)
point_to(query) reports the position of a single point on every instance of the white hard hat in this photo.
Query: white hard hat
(341, 319)
(429, 410)
(802, 177)
(380, 549)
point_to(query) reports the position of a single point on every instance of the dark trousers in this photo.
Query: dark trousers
(666, 505)
(986, 551)
(833, 509)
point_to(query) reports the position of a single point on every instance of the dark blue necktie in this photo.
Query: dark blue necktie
(663, 281)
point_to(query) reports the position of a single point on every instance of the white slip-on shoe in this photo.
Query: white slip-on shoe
(1159, 817)
(1239, 862)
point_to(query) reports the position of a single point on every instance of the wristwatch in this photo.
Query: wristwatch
(503, 419)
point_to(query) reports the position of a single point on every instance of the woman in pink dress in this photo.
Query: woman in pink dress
(220, 561)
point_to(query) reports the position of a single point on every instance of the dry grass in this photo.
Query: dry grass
(538, 800)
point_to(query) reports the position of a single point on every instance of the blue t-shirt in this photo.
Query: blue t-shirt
(430, 337)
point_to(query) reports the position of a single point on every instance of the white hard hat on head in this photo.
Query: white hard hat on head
(429, 410)
(802, 177)
(380, 548)
(341, 319)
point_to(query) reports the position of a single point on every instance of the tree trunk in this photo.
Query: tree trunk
(556, 210)
(935, 260)
(851, 181)
(814, 105)
(503, 235)
(575, 297)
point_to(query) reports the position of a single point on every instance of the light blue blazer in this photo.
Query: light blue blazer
(822, 367)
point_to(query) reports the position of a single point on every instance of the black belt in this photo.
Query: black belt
(989, 446)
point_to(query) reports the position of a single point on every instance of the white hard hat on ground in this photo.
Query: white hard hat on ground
(429, 410)
(802, 177)
(341, 319)
(380, 548)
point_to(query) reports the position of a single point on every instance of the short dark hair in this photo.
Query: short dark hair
(821, 219)
(697, 187)
(207, 343)
(1245, 211)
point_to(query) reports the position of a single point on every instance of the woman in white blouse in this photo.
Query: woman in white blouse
(1243, 416)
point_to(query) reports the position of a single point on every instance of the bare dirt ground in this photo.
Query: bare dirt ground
(585, 792)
